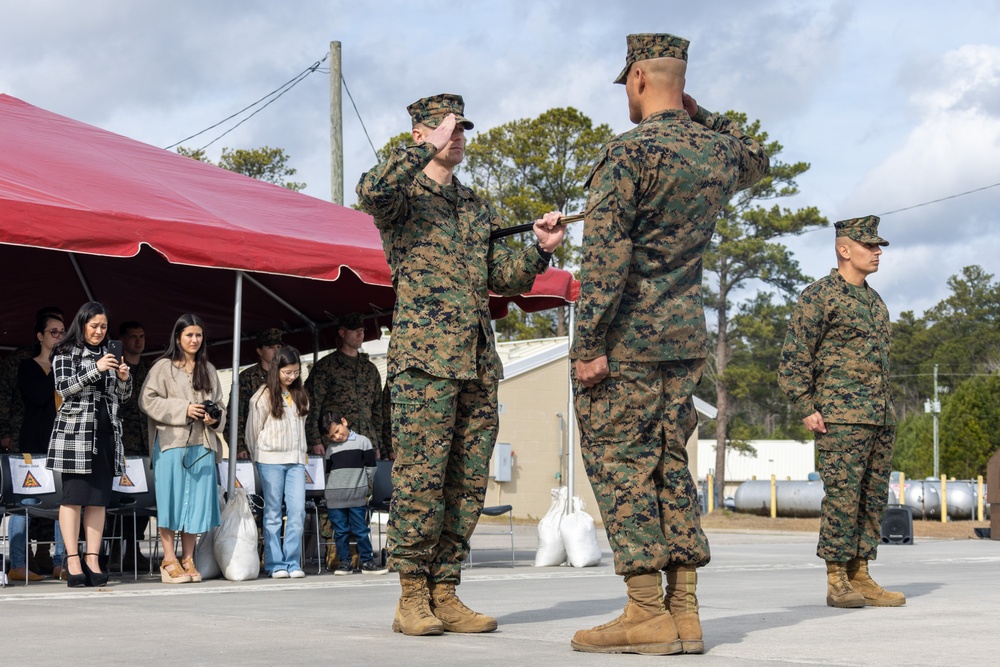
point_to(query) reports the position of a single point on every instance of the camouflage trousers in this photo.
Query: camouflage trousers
(634, 427)
(443, 432)
(854, 463)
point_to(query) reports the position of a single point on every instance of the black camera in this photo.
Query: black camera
(212, 410)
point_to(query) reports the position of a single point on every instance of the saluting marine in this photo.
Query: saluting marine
(641, 341)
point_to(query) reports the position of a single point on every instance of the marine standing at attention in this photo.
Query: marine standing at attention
(835, 370)
(641, 342)
(442, 365)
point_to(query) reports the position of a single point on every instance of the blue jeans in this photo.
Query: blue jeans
(348, 521)
(283, 481)
(17, 527)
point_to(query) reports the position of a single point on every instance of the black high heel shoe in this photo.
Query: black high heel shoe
(76, 580)
(93, 578)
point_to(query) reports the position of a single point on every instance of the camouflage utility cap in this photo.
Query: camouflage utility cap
(862, 230)
(432, 110)
(351, 321)
(647, 46)
(269, 337)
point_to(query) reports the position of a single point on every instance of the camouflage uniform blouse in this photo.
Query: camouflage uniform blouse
(655, 193)
(835, 359)
(350, 385)
(437, 241)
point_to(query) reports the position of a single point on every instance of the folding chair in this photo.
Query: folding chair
(499, 510)
(380, 500)
(133, 495)
(315, 505)
(34, 491)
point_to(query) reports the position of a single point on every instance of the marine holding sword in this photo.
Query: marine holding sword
(442, 361)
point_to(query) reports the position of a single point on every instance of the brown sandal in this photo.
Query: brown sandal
(190, 570)
(171, 572)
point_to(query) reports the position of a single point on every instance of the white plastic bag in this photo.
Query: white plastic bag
(236, 540)
(550, 543)
(580, 537)
(204, 553)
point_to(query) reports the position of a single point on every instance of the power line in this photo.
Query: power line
(351, 97)
(935, 201)
(276, 93)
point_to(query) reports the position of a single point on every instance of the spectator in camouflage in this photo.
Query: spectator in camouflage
(443, 366)
(134, 438)
(346, 381)
(835, 370)
(640, 342)
(251, 379)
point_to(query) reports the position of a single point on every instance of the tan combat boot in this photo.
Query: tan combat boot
(644, 627)
(682, 603)
(455, 616)
(838, 589)
(874, 595)
(413, 613)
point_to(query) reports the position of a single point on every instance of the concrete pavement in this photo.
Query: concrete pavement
(762, 602)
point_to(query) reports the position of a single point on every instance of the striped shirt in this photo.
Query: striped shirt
(351, 466)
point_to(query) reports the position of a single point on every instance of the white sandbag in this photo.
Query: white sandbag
(204, 553)
(580, 537)
(550, 543)
(236, 540)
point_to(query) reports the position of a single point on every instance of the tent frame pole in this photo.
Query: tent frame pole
(235, 388)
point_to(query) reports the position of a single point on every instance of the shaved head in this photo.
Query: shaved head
(664, 72)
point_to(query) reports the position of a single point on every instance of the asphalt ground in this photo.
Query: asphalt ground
(762, 603)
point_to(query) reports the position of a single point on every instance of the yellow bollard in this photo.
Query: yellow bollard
(901, 496)
(774, 498)
(944, 499)
(979, 498)
(711, 493)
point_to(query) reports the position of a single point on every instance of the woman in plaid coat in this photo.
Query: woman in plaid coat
(86, 443)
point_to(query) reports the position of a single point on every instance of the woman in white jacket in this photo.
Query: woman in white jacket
(276, 437)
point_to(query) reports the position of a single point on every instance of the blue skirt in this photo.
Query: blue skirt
(187, 493)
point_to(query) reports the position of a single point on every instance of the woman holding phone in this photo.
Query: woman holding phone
(183, 401)
(86, 443)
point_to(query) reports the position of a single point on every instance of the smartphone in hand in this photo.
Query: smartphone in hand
(115, 348)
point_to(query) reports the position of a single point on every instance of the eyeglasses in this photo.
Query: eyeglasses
(291, 374)
(55, 333)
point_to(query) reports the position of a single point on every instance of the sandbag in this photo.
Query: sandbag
(580, 537)
(204, 553)
(550, 543)
(236, 540)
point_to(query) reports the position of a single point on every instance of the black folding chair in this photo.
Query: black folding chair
(23, 500)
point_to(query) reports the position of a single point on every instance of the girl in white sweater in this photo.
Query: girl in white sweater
(276, 437)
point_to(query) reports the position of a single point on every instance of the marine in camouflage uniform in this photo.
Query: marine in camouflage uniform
(350, 385)
(640, 342)
(11, 404)
(835, 370)
(250, 380)
(442, 362)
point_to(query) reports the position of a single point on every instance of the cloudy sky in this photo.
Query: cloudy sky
(892, 103)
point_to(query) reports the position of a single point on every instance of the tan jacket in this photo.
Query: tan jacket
(165, 397)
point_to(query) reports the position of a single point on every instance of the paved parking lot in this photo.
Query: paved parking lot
(762, 597)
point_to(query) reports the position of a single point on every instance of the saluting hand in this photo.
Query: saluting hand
(548, 230)
(441, 136)
(690, 105)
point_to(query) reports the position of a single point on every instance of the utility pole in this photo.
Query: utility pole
(934, 407)
(336, 128)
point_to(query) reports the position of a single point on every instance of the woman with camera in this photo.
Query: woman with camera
(183, 401)
(86, 442)
(276, 438)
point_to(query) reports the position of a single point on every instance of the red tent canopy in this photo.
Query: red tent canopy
(78, 204)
